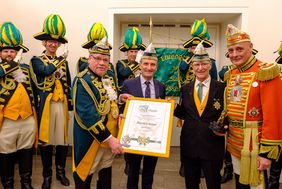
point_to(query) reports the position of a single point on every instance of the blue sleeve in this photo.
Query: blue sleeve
(213, 71)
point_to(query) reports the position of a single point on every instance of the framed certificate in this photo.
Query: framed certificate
(146, 128)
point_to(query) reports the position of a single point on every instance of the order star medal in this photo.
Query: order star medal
(237, 90)
(217, 104)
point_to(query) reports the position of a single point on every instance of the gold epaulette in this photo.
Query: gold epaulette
(228, 73)
(268, 71)
(81, 74)
(83, 59)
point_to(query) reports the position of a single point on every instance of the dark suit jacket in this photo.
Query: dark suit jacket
(197, 139)
(133, 87)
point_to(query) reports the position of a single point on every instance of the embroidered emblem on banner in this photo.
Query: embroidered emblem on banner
(237, 90)
(253, 112)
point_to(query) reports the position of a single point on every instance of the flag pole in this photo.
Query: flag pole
(151, 28)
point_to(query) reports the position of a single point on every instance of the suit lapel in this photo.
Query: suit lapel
(139, 87)
(191, 97)
(157, 89)
(212, 92)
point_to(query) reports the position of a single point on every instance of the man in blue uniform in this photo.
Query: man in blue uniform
(129, 68)
(17, 110)
(95, 124)
(51, 75)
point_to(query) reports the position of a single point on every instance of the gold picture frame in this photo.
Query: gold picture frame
(147, 126)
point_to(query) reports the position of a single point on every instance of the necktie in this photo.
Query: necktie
(147, 90)
(200, 91)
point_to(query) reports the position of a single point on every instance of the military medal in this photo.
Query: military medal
(237, 90)
(253, 112)
(216, 104)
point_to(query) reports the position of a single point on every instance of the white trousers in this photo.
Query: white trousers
(17, 135)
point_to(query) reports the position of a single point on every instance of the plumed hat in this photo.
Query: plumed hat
(96, 33)
(53, 29)
(132, 40)
(10, 37)
(234, 35)
(199, 32)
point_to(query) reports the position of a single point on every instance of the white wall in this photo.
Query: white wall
(262, 22)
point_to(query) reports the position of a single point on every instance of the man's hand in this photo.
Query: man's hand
(120, 117)
(124, 97)
(218, 133)
(115, 145)
(263, 163)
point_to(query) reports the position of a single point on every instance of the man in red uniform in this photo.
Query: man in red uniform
(253, 97)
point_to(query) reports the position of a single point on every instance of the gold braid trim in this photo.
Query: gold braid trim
(252, 60)
(273, 152)
(7, 84)
(133, 67)
(272, 147)
(48, 81)
(94, 127)
(102, 109)
(268, 71)
(227, 74)
(190, 75)
(245, 163)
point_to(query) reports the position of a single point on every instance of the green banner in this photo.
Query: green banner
(168, 63)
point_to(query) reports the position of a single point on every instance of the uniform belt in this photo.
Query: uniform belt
(248, 124)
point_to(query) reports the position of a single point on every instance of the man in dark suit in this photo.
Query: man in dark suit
(143, 86)
(202, 103)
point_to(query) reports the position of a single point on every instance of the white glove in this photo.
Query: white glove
(139, 56)
(19, 76)
(18, 58)
(66, 51)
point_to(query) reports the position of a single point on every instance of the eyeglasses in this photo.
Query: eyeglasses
(197, 65)
(98, 59)
(53, 42)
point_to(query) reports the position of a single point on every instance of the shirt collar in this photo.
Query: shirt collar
(142, 79)
(206, 82)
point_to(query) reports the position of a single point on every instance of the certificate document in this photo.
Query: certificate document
(146, 128)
